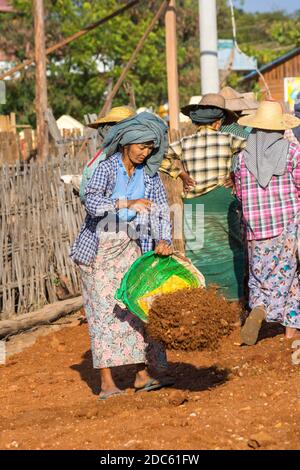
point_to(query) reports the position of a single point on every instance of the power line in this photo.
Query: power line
(241, 52)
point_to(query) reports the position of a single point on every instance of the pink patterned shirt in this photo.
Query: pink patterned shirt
(266, 212)
(289, 135)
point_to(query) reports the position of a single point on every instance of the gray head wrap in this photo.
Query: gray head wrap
(142, 128)
(265, 155)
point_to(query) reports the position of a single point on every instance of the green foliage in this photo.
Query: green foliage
(78, 74)
(287, 32)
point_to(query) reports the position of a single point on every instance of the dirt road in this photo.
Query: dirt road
(233, 398)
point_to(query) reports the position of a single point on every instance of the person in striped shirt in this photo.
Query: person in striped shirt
(293, 135)
(267, 179)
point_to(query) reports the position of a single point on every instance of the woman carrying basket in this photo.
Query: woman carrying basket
(127, 214)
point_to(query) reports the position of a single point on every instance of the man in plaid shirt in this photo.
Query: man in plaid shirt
(206, 157)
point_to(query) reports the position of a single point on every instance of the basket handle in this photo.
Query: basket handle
(180, 255)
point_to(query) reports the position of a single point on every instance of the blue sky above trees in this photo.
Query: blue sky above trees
(268, 5)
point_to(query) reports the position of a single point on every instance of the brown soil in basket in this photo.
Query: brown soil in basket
(192, 319)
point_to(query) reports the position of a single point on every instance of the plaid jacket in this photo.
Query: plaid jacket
(148, 228)
(289, 135)
(266, 212)
(206, 156)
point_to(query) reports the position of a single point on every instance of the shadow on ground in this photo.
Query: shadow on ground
(187, 377)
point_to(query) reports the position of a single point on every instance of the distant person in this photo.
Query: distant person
(267, 178)
(240, 105)
(80, 181)
(293, 135)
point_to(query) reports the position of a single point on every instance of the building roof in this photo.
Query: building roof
(240, 60)
(5, 7)
(280, 60)
(68, 122)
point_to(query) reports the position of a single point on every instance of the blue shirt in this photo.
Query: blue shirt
(99, 202)
(128, 188)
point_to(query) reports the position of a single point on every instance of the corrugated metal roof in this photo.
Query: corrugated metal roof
(272, 64)
(240, 61)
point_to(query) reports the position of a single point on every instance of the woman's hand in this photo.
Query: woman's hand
(188, 182)
(163, 249)
(139, 205)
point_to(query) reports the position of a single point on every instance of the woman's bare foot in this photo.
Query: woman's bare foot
(108, 386)
(142, 378)
(144, 381)
(291, 333)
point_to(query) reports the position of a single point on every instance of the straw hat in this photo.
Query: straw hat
(269, 116)
(115, 115)
(236, 101)
(210, 100)
(252, 103)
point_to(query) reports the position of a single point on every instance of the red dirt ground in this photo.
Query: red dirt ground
(236, 397)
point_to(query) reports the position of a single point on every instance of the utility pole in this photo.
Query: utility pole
(41, 80)
(208, 47)
(172, 71)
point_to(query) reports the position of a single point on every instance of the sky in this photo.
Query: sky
(268, 5)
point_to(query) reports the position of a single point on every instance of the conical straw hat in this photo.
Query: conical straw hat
(236, 101)
(269, 116)
(115, 115)
(209, 100)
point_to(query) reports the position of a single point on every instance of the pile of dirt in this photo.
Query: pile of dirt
(192, 319)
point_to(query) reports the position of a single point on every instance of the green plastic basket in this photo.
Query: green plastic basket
(148, 273)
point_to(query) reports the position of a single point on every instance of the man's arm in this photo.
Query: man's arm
(171, 162)
(171, 165)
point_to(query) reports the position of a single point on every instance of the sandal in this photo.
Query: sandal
(104, 396)
(154, 384)
(250, 330)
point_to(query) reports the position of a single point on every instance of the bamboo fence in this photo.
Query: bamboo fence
(39, 218)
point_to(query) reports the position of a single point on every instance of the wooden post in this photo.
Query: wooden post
(141, 42)
(172, 72)
(41, 80)
(13, 123)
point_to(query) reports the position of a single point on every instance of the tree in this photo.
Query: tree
(79, 73)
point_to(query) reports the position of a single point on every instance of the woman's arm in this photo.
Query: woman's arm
(237, 144)
(96, 203)
(160, 218)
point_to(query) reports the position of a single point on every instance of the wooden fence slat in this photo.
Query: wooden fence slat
(39, 219)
